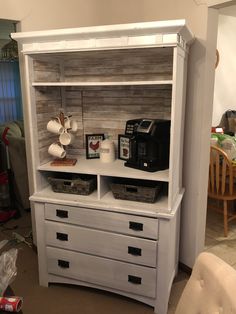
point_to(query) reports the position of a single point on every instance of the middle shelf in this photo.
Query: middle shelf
(106, 203)
(114, 169)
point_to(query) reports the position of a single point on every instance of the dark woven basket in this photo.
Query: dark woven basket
(136, 190)
(80, 184)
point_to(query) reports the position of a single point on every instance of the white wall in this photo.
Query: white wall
(46, 14)
(49, 14)
(224, 93)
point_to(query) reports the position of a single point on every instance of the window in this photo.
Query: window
(10, 92)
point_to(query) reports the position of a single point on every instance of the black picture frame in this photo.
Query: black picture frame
(93, 145)
(123, 146)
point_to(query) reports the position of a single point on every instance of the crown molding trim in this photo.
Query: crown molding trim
(218, 3)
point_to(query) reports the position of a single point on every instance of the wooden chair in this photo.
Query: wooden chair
(221, 183)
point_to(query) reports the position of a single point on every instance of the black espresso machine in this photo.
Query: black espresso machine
(149, 144)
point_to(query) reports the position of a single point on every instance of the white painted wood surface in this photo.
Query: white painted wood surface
(114, 169)
(58, 279)
(108, 83)
(41, 247)
(55, 80)
(157, 33)
(107, 203)
(102, 271)
(101, 243)
(177, 125)
(103, 220)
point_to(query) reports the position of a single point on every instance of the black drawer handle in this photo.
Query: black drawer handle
(63, 264)
(137, 226)
(67, 183)
(62, 236)
(131, 189)
(134, 279)
(62, 213)
(134, 251)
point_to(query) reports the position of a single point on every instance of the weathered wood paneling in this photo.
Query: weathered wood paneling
(48, 105)
(106, 110)
(99, 110)
(120, 65)
(46, 71)
(102, 109)
(107, 65)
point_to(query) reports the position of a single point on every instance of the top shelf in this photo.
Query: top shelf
(118, 83)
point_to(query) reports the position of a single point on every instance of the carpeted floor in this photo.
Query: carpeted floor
(60, 299)
(67, 299)
(216, 243)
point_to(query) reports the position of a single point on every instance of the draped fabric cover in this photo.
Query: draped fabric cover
(10, 92)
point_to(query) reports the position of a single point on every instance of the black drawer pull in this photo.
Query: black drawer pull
(137, 226)
(134, 251)
(63, 264)
(62, 213)
(62, 236)
(67, 183)
(131, 189)
(134, 279)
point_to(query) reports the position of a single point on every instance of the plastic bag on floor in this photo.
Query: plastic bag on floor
(8, 269)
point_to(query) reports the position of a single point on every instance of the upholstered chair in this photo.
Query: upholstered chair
(210, 289)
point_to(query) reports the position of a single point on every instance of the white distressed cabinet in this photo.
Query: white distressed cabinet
(105, 76)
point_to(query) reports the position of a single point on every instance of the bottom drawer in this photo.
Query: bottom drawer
(117, 275)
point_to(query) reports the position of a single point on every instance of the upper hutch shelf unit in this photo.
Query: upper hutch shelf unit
(104, 76)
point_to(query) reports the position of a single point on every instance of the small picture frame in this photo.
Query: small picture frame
(123, 146)
(93, 145)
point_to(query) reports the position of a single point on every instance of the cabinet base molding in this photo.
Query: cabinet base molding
(185, 268)
(58, 279)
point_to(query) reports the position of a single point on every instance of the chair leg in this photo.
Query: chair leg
(225, 218)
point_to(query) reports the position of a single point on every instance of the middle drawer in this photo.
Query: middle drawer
(100, 243)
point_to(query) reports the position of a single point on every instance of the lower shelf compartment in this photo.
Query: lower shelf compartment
(113, 274)
(92, 201)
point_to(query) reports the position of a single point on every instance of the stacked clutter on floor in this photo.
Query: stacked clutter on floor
(7, 210)
(8, 272)
(12, 145)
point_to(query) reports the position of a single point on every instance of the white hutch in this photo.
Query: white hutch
(105, 76)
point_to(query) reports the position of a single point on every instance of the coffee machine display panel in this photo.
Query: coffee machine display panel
(145, 126)
(131, 126)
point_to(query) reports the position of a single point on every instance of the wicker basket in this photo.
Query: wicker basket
(74, 184)
(136, 190)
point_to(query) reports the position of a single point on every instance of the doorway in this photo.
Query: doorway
(10, 89)
(224, 91)
(12, 144)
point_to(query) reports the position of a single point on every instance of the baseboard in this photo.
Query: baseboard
(185, 268)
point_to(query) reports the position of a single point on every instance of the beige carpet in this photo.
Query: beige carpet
(60, 299)
(216, 243)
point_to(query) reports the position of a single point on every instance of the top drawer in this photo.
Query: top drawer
(121, 223)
